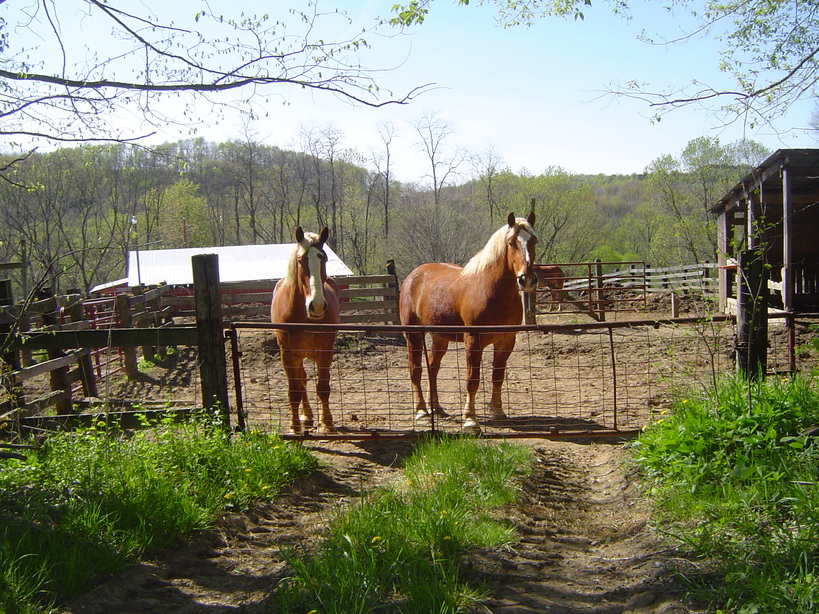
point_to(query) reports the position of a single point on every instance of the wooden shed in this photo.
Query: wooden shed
(775, 207)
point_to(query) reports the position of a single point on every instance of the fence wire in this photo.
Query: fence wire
(600, 378)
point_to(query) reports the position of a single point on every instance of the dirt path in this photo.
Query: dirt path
(585, 544)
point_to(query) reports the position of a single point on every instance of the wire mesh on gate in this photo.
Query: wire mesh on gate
(596, 378)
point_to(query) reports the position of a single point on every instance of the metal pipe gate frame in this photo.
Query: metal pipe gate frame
(552, 427)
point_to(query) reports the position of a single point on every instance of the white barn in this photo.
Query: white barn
(237, 263)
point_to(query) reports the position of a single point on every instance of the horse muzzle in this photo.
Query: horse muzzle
(527, 282)
(316, 309)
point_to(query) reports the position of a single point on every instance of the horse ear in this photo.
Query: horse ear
(325, 233)
(531, 218)
(511, 219)
(299, 234)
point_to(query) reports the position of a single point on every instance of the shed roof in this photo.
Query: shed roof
(236, 263)
(803, 175)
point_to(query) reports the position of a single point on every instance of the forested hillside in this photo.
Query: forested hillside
(76, 212)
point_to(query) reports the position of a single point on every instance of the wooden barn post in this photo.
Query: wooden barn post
(752, 315)
(210, 332)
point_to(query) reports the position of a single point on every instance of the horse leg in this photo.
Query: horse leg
(474, 352)
(436, 355)
(503, 349)
(297, 393)
(415, 352)
(323, 390)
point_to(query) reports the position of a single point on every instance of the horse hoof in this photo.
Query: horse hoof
(499, 419)
(422, 416)
(307, 424)
(295, 429)
(327, 429)
(440, 413)
(471, 427)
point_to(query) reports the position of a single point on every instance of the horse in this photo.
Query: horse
(552, 276)
(484, 292)
(305, 294)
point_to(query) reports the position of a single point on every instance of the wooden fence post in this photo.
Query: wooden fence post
(59, 377)
(10, 361)
(752, 316)
(148, 351)
(599, 304)
(89, 383)
(128, 353)
(210, 332)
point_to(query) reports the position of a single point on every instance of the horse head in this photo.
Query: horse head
(521, 239)
(312, 260)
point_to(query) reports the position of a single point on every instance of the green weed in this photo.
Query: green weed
(401, 549)
(88, 502)
(736, 480)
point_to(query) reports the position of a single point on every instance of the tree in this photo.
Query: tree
(770, 50)
(99, 62)
(684, 189)
(433, 135)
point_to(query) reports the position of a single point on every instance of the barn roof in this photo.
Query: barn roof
(236, 263)
(803, 176)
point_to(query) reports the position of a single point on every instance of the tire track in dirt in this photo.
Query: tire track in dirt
(585, 546)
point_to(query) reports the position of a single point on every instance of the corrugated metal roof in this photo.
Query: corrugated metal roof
(236, 263)
(803, 165)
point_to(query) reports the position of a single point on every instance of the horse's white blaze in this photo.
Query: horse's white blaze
(523, 239)
(316, 294)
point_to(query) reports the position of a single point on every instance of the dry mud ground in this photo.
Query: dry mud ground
(586, 544)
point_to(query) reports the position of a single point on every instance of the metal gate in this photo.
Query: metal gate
(562, 380)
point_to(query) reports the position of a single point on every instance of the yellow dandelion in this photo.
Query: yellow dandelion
(248, 469)
(313, 612)
(276, 448)
(447, 538)
(100, 423)
(375, 540)
(229, 496)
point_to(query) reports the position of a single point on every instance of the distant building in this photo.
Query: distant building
(237, 263)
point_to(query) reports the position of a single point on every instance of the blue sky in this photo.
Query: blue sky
(534, 95)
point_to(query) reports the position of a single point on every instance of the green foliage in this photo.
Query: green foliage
(735, 477)
(401, 549)
(88, 502)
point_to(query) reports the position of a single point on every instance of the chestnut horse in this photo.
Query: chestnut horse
(306, 294)
(485, 292)
(552, 276)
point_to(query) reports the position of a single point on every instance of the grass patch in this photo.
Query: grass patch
(736, 480)
(88, 502)
(402, 548)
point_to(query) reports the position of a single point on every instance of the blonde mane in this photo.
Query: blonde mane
(291, 273)
(495, 248)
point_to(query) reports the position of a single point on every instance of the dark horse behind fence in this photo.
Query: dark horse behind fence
(485, 292)
(305, 295)
(552, 277)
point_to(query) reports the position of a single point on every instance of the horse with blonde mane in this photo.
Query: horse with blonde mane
(304, 295)
(485, 292)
